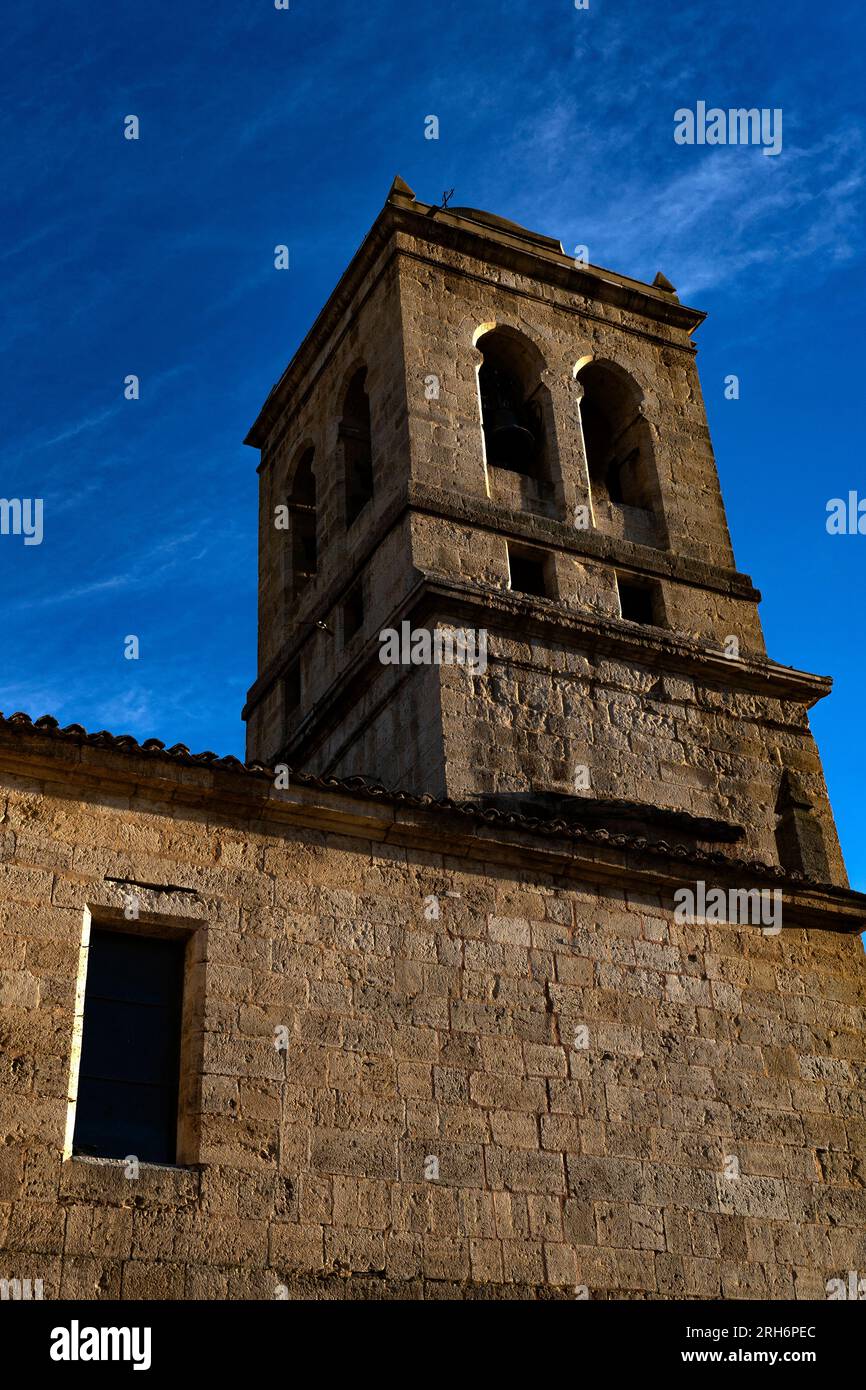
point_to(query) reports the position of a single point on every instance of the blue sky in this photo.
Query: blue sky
(260, 127)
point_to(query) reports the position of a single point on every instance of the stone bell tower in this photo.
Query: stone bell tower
(478, 435)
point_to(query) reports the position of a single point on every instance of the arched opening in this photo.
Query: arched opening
(619, 456)
(302, 509)
(512, 404)
(357, 446)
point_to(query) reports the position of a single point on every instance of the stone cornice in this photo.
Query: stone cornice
(523, 255)
(673, 653)
(480, 606)
(663, 564)
(423, 499)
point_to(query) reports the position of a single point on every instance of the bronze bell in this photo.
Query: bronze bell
(509, 443)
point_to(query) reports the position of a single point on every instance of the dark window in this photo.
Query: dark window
(598, 440)
(357, 447)
(353, 612)
(638, 602)
(293, 686)
(302, 504)
(616, 438)
(510, 414)
(528, 573)
(130, 1057)
(303, 549)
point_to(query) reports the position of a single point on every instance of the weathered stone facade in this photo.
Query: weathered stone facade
(508, 1069)
(659, 715)
(415, 1035)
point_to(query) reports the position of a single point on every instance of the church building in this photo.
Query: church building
(519, 959)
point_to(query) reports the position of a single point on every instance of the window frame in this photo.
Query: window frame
(162, 926)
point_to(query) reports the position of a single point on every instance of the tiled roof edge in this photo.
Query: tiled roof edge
(48, 726)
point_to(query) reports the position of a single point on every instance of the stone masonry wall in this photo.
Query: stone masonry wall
(645, 735)
(411, 308)
(448, 295)
(432, 1002)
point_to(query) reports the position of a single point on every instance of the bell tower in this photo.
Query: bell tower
(482, 441)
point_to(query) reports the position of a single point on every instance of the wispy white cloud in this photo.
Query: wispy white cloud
(704, 216)
(150, 569)
(71, 431)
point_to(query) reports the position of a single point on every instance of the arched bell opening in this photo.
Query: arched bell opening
(512, 406)
(620, 460)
